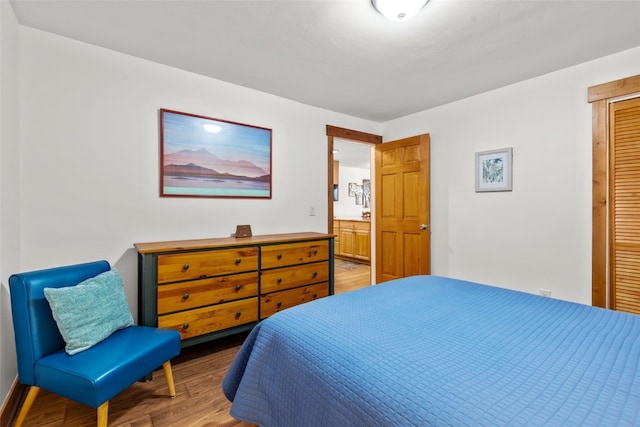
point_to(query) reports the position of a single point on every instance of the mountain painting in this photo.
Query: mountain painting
(206, 157)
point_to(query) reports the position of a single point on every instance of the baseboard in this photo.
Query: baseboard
(13, 403)
(352, 259)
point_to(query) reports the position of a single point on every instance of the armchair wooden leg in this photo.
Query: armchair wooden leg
(28, 402)
(166, 366)
(103, 414)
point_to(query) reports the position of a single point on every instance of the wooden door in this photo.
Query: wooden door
(403, 236)
(624, 196)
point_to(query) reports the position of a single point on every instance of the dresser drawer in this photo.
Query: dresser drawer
(204, 320)
(197, 293)
(194, 265)
(294, 253)
(355, 225)
(290, 277)
(278, 301)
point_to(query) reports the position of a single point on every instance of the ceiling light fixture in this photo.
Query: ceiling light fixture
(398, 10)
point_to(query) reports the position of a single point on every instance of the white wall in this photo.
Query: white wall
(346, 206)
(539, 235)
(90, 144)
(88, 161)
(9, 188)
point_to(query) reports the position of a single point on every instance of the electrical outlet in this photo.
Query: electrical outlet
(545, 292)
(312, 211)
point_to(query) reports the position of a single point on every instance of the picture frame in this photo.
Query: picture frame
(353, 188)
(366, 193)
(207, 157)
(494, 170)
(358, 193)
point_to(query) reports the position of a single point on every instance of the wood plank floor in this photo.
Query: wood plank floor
(198, 374)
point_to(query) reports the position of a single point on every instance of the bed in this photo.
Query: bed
(432, 351)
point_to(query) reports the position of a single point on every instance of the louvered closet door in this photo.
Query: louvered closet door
(624, 191)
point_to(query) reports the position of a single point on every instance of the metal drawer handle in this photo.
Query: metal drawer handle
(238, 287)
(238, 314)
(279, 280)
(279, 304)
(315, 252)
(185, 326)
(315, 296)
(185, 267)
(238, 260)
(315, 274)
(279, 256)
(185, 296)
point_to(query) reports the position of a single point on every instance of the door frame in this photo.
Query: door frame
(351, 135)
(599, 97)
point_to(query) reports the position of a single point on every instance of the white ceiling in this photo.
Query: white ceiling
(352, 154)
(342, 55)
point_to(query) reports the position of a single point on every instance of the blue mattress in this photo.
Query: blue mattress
(427, 351)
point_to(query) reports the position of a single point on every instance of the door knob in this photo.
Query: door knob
(424, 226)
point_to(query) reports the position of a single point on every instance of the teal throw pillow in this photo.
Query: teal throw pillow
(90, 311)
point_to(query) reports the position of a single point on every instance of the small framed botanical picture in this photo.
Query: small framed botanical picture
(494, 170)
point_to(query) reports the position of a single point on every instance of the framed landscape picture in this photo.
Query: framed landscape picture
(206, 157)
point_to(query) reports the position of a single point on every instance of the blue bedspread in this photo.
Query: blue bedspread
(428, 350)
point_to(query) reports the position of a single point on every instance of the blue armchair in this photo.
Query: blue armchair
(92, 376)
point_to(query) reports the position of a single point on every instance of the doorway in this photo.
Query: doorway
(352, 204)
(353, 228)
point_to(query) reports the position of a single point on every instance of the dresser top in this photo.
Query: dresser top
(177, 245)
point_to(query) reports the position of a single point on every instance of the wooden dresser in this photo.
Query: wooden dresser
(210, 288)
